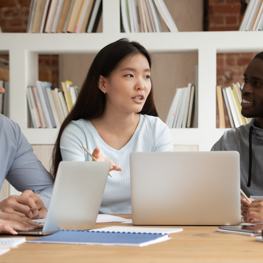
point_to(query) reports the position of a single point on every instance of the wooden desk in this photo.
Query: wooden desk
(194, 244)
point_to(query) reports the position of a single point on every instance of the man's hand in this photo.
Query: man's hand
(254, 212)
(99, 156)
(28, 204)
(11, 222)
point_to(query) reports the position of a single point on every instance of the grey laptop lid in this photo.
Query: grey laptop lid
(76, 197)
(185, 188)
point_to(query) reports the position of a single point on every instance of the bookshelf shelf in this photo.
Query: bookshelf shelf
(24, 49)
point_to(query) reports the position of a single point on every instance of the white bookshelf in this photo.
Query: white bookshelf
(24, 49)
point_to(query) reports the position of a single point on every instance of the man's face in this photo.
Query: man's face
(2, 90)
(252, 92)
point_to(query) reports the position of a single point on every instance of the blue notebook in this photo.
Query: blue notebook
(102, 238)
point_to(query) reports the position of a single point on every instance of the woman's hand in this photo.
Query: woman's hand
(99, 156)
(12, 222)
(244, 207)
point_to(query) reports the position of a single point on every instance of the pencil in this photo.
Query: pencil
(93, 158)
(245, 196)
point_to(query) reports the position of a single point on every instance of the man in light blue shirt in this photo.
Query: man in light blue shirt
(20, 166)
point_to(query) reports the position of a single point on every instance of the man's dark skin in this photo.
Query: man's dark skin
(252, 107)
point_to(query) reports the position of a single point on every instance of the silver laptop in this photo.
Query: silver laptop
(76, 197)
(185, 188)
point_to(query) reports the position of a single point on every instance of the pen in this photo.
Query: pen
(93, 158)
(245, 196)
(33, 208)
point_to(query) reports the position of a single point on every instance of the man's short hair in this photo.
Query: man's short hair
(259, 55)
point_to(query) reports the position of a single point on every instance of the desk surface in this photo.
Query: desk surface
(193, 244)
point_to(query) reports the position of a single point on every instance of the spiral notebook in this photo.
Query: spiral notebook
(102, 238)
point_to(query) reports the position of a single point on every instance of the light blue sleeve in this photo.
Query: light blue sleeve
(72, 139)
(164, 140)
(25, 171)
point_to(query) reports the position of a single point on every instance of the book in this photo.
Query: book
(52, 104)
(33, 108)
(57, 16)
(44, 85)
(102, 238)
(68, 15)
(51, 15)
(144, 24)
(82, 15)
(63, 103)
(124, 17)
(63, 16)
(95, 16)
(232, 125)
(222, 123)
(39, 11)
(155, 15)
(39, 108)
(31, 15)
(166, 15)
(44, 104)
(232, 107)
(57, 106)
(190, 109)
(44, 17)
(74, 16)
(87, 16)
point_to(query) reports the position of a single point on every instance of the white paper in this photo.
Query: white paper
(4, 250)
(147, 230)
(105, 218)
(11, 242)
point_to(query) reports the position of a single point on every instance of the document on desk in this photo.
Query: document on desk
(102, 218)
(102, 238)
(11, 242)
(142, 230)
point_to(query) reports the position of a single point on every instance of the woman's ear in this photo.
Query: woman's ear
(102, 86)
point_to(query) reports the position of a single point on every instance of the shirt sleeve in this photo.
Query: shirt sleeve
(164, 140)
(71, 143)
(27, 172)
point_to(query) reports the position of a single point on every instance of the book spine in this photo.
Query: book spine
(31, 109)
(34, 108)
(40, 107)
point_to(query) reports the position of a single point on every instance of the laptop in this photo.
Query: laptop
(185, 188)
(76, 197)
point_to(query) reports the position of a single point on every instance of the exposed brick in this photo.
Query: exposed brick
(231, 20)
(15, 23)
(219, 62)
(24, 3)
(216, 20)
(10, 13)
(219, 71)
(225, 9)
(224, 28)
(7, 3)
(214, 2)
(230, 61)
(243, 61)
(232, 1)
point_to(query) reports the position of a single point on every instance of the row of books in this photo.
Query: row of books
(64, 16)
(229, 106)
(253, 18)
(49, 106)
(4, 109)
(181, 113)
(145, 16)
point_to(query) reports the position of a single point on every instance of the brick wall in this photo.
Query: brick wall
(227, 15)
(13, 18)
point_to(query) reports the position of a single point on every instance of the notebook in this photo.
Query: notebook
(139, 230)
(102, 238)
(185, 188)
(76, 197)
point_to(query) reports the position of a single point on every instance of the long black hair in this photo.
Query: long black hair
(91, 101)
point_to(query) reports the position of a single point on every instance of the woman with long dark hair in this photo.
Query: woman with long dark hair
(114, 115)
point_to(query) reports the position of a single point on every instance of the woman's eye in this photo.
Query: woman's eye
(147, 76)
(129, 75)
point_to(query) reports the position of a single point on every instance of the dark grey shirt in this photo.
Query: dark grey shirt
(18, 163)
(238, 140)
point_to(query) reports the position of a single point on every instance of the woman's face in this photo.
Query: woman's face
(129, 85)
